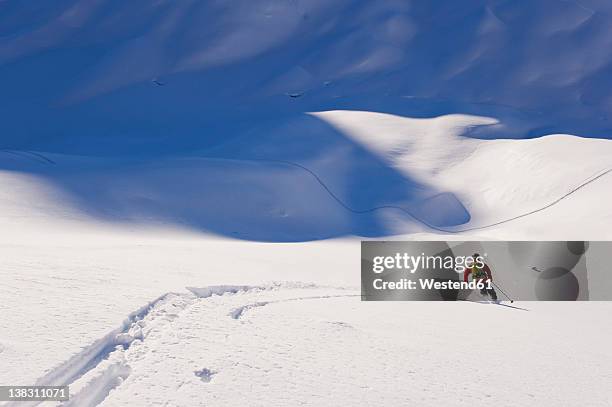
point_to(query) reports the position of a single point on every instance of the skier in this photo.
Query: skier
(481, 274)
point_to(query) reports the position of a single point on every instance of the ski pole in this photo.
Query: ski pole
(502, 291)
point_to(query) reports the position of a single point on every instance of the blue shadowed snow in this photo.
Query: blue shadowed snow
(77, 76)
(154, 80)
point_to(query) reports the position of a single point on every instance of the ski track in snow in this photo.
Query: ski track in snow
(101, 367)
(239, 312)
(30, 155)
(201, 334)
(91, 356)
(336, 198)
(38, 157)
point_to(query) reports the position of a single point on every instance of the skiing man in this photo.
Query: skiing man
(481, 273)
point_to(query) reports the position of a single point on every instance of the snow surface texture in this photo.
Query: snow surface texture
(200, 113)
(419, 175)
(150, 151)
(89, 71)
(288, 345)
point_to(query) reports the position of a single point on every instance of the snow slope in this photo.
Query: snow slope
(289, 347)
(286, 344)
(386, 175)
(301, 97)
(72, 272)
(84, 68)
